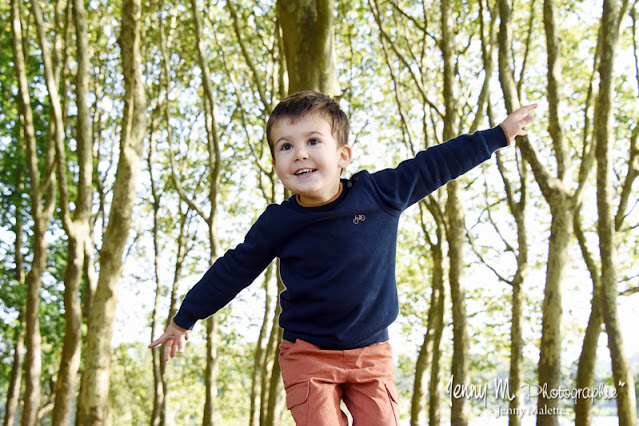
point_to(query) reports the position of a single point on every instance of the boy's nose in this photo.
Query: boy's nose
(301, 154)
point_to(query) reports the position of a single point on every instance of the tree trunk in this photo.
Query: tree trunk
(560, 234)
(70, 360)
(210, 376)
(158, 416)
(439, 307)
(554, 190)
(267, 368)
(78, 230)
(459, 369)
(623, 378)
(33, 361)
(516, 373)
(275, 405)
(422, 366)
(455, 231)
(309, 43)
(588, 356)
(41, 215)
(94, 398)
(272, 385)
(518, 210)
(214, 163)
(182, 250)
(13, 392)
(259, 355)
(429, 353)
(159, 403)
(550, 354)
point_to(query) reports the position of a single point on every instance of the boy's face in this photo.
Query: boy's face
(308, 160)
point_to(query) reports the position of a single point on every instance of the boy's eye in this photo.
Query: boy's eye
(313, 141)
(285, 147)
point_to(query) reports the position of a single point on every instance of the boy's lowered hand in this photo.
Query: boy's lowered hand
(514, 125)
(174, 339)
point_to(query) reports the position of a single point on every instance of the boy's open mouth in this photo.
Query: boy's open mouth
(304, 172)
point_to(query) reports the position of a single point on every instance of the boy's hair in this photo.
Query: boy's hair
(301, 104)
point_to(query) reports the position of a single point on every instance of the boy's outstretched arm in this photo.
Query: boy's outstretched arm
(174, 339)
(514, 124)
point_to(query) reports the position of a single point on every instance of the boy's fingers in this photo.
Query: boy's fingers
(527, 108)
(173, 346)
(527, 119)
(167, 349)
(156, 342)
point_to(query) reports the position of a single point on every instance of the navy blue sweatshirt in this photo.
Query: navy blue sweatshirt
(337, 260)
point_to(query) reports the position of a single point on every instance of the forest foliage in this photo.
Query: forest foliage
(179, 93)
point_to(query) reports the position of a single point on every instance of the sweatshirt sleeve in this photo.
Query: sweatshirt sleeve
(417, 177)
(230, 274)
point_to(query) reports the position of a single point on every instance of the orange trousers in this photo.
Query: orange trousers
(316, 380)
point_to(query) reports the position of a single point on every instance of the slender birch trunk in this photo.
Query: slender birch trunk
(41, 212)
(429, 354)
(588, 356)
(275, 403)
(93, 400)
(455, 230)
(271, 398)
(439, 307)
(623, 377)
(78, 228)
(214, 162)
(158, 416)
(259, 355)
(422, 366)
(13, 392)
(182, 250)
(70, 354)
(159, 401)
(555, 190)
(259, 376)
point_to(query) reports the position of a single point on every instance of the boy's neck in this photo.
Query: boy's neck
(335, 197)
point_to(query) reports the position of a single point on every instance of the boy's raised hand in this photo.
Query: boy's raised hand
(174, 339)
(514, 125)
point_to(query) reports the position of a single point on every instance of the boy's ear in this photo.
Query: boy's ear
(345, 156)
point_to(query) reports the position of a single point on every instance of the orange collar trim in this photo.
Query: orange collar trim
(339, 192)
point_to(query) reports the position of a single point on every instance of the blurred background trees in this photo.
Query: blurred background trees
(133, 155)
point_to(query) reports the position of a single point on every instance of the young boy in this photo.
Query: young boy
(336, 241)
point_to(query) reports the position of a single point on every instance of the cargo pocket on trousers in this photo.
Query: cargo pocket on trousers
(392, 396)
(297, 402)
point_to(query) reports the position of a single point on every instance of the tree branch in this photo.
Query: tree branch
(257, 77)
(484, 261)
(633, 172)
(527, 48)
(588, 153)
(548, 184)
(407, 16)
(56, 113)
(629, 291)
(180, 189)
(589, 259)
(375, 9)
